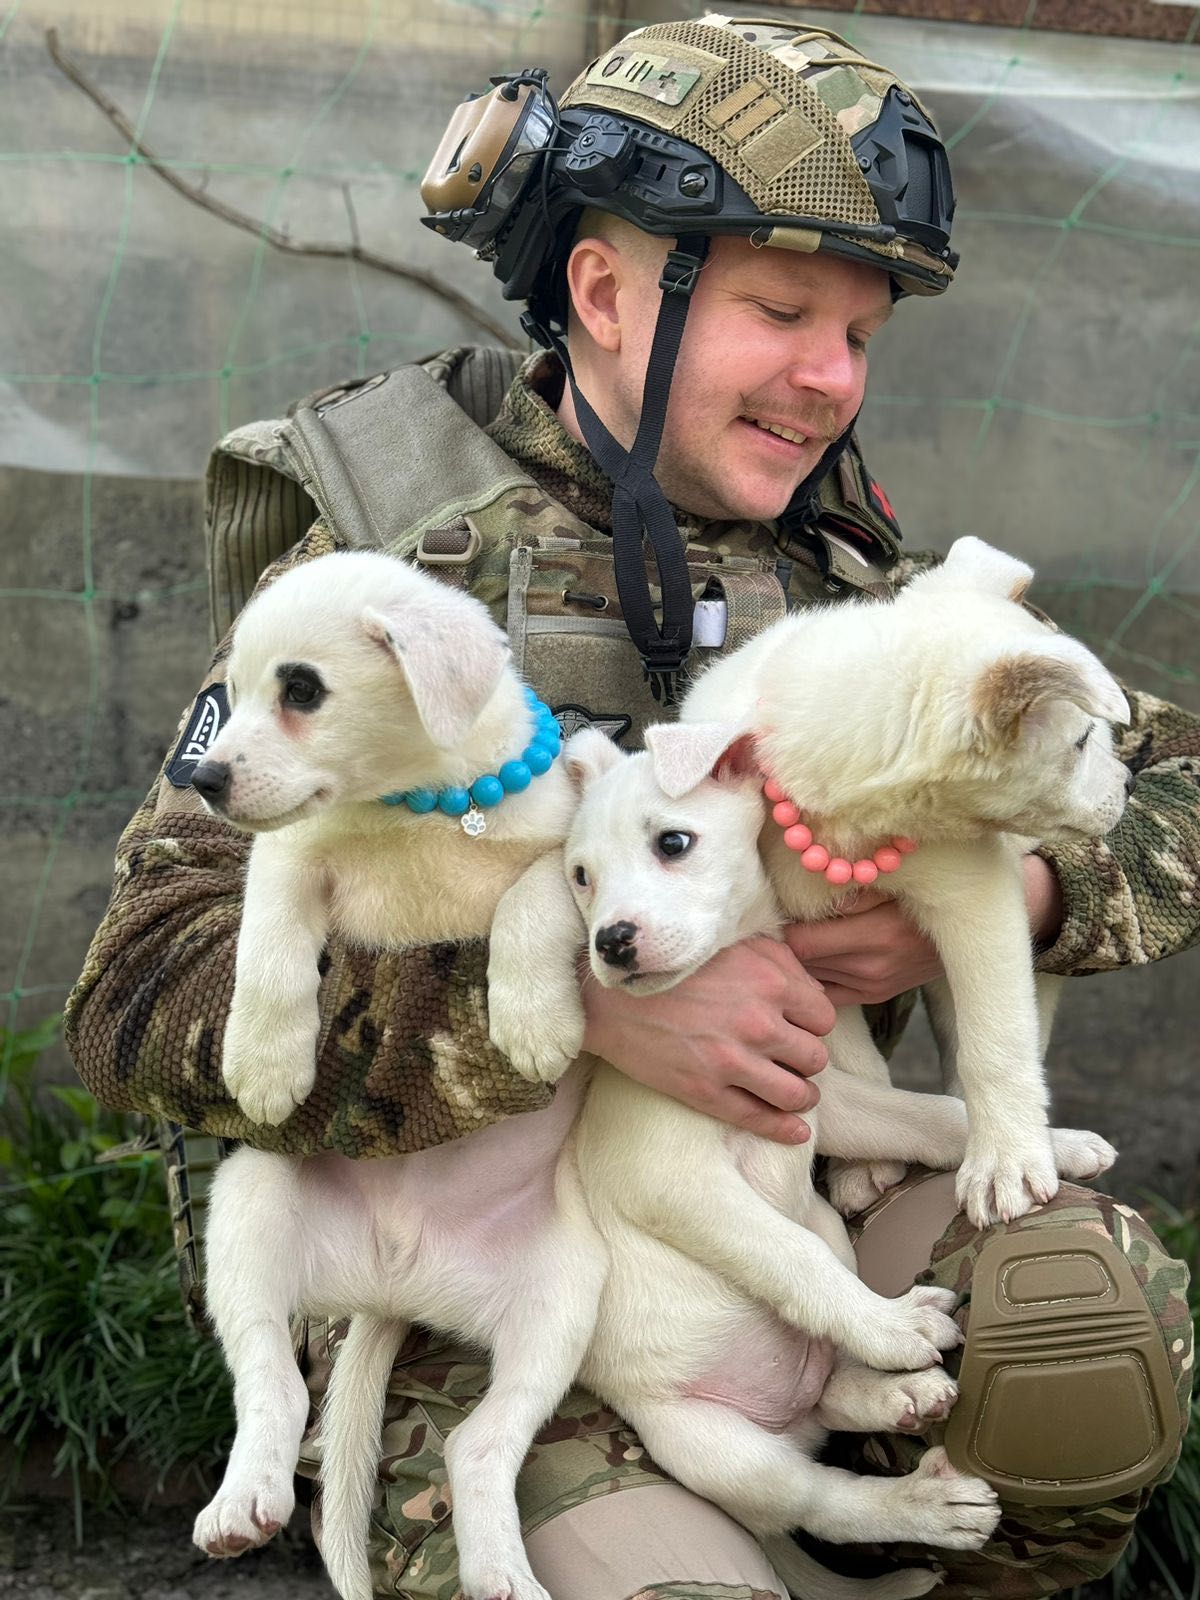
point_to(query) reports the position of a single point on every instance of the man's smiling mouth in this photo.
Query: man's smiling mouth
(777, 428)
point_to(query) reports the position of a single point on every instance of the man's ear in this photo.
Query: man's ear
(587, 754)
(593, 279)
(451, 663)
(1011, 690)
(683, 754)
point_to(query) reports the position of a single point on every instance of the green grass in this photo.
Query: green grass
(94, 1347)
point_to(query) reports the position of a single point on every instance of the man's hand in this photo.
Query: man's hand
(870, 951)
(737, 1040)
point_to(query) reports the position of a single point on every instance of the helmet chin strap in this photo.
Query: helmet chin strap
(797, 520)
(640, 509)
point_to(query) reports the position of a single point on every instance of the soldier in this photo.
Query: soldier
(707, 231)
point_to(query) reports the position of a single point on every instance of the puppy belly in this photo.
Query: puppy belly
(772, 1375)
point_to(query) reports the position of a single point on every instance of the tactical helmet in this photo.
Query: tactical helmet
(781, 133)
(785, 134)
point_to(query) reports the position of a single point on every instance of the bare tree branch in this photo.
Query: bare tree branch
(272, 236)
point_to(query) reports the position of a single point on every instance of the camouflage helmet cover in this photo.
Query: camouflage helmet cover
(776, 106)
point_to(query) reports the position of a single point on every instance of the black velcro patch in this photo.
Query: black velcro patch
(572, 717)
(209, 716)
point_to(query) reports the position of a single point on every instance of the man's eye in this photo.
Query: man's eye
(674, 844)
(581, 877)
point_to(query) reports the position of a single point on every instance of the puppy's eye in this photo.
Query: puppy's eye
(674, 844)
(1084, 736)
(302, 687)
(581, 877)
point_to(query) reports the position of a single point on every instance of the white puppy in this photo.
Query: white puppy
(733, 1330)
(950, 717)
(353, 678)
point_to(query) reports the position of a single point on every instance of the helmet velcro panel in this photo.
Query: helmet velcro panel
(776, 105)
(766, 125)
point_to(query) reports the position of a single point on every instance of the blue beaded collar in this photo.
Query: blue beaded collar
(488, 791)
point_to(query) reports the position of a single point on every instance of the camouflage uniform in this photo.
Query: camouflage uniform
(404, 1058)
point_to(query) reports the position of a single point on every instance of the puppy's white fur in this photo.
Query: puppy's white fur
(951, 715)
(414, 689)
(731, 1289)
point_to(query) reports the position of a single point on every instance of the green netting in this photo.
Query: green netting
(1049, 402)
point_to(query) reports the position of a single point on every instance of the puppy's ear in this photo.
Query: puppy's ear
(451, 663)
(1013, 689)
(587, 754)
(971, 564)
(685, 753)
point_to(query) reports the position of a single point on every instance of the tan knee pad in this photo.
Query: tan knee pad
(1066, 1395)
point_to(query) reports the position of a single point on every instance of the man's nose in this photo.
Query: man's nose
(617, 944)
(826, 365)
(211, 778)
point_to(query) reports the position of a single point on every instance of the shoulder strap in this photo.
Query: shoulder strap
(382, 458)
(392, 458)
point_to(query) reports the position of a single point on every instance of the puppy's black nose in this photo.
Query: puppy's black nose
(618, 944)
(211, 778)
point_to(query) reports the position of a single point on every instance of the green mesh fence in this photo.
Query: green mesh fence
(172, 187)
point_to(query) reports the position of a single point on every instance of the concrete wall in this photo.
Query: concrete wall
(1047, 403)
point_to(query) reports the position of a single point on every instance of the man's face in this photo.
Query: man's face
(774, 339)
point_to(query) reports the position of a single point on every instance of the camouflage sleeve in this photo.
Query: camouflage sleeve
(1134, 896)
(404, 1059)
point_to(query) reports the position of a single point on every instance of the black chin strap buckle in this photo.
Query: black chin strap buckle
(680, 272)
(664, 666)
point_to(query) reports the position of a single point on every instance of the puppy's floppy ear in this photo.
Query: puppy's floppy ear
(685, 753)
(972, 564)
(589, 753)
(1012, 689)
(451, 661)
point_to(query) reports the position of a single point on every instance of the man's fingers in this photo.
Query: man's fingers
(798, 1049)
(746, 1111)
(774, 1084)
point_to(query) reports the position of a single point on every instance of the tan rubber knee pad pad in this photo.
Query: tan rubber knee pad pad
(1066, 1394)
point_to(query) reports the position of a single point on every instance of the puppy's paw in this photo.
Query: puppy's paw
(909, 1333)
(501, 1581)
(242, 1517)
(269, 1059)
(1002, 1185)
(1080, 1154)
(855, 1185)
(939, 1506)
(269, 1091)
(541, 1042)
(920, 1399)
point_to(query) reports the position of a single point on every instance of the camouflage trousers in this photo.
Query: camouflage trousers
(595, 1507)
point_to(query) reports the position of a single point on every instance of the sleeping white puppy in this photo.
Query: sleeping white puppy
(953, 721)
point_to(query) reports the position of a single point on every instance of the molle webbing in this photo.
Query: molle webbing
(355, 458)
(265, 484)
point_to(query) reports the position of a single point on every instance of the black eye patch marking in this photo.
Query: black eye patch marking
(302, 688)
